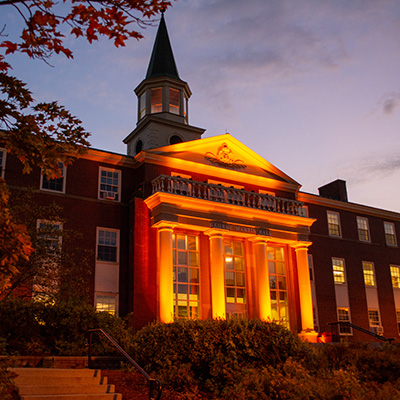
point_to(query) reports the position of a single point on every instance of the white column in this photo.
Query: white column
(217, 275)
(261, 264)
(306, 309)
(165, 265)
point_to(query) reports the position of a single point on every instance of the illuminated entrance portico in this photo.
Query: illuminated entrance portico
(227, 251)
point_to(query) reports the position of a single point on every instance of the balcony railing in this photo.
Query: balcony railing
(223, 194)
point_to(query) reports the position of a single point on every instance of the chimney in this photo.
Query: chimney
(335, 190)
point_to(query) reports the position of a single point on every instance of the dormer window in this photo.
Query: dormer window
(156, 100)
(142, 105)
(174, 101)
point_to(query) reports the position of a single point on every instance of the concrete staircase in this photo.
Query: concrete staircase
(63, 384)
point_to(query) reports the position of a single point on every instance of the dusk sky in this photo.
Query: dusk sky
(313, 86)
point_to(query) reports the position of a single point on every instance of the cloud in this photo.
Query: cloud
(390, 102)
(371, 169)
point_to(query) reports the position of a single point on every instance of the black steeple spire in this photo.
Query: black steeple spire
(162, 61)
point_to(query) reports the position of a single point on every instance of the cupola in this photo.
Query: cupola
(162, 117)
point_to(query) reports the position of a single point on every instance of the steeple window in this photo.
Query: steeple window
(174, 101)
(142, 105)
(156, 100)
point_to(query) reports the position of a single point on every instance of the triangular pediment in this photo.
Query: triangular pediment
(224, 153)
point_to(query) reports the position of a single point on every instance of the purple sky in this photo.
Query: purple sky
(312, 86)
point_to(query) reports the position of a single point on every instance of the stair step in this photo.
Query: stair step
(108, 396)
(65, 389)
(64, 372)
(62, 384)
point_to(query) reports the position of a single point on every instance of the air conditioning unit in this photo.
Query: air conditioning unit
(110, 195)
(378, 330)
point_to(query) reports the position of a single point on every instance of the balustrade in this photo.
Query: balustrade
(228, 195)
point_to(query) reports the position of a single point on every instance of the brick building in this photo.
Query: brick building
(206, 228)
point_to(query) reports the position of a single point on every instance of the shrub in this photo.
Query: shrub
(36, 328)
(214, 352)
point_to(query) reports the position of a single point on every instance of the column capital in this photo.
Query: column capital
(259, 240)
(301, 246)
(164, 226)
(214, 233)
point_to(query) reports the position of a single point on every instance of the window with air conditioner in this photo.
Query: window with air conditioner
(109, 184)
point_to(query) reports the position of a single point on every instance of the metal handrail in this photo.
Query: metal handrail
(153, 383)
(366, 331)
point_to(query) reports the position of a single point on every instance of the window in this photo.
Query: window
(395, 273)
(174, 101)
(55, 184)
(106, 303)
(235, 280)
(311, 267)
(50, 233)
(110, 183)
(107, 245)
(369, 276)
(142, 105)
(156, 100)
(363, 230)
(3, 155)
(344, 316)
(390, 234)
(186, 273)
(175, 139)
(46, 284)
(139, 146)
(277, 285)
(334, 224)
(374, 319)
(398, 319)
(339, 275)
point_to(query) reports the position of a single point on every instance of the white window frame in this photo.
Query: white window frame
(362, 220)
(156, 107)
(392, 233)
(173, 109)
(336, 214)
(107, 197)
(109, 295)
(366, 274)
(142, 105)
(373, 323)
(395, 268)
(342, 331)
(338, 271)
(99, 229)
(3, 164)
(64, 179)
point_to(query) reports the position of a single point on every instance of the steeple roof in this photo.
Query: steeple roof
(162, 62)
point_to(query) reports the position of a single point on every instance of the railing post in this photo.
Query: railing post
(90, 350)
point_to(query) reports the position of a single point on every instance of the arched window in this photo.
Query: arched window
(139, 146)
(175, 139)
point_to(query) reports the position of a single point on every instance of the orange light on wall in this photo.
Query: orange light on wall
(217, 275)
(166, 291)
(261, 263)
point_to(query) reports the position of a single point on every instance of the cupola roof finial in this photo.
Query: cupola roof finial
(162, 62)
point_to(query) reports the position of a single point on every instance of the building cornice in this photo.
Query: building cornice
(309, 198)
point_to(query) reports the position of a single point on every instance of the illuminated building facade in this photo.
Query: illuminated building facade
(206, 228)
